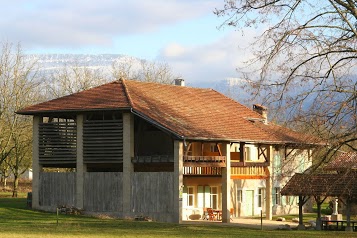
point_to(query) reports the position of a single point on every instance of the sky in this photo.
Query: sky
(184, 34)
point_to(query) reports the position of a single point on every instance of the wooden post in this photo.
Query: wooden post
(128, 167)
(178, 181)
(226, 186)
(348, 215)
(36, 167)
(301, 204)
(80, 167)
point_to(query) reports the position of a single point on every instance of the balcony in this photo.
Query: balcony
(202, 171)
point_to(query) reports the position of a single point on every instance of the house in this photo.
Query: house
(164, 151)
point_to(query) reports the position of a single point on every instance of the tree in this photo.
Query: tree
(73, 78)
(145, 71)
(304, 62)
(19, 87)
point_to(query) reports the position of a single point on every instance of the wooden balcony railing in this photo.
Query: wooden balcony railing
(202, 171)
(204, 161)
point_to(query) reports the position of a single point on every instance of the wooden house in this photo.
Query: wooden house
(165, 151)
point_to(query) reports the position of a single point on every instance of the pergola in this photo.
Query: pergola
(320, 186)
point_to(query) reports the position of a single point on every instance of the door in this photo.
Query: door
(249, 203)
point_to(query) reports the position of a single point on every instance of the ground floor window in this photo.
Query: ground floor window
(277, 196)
(214, 197)
(190, 196)
(261, 197)
(240, 196)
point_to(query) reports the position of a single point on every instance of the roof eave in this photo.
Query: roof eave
(71, 111)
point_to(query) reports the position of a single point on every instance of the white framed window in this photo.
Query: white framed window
(214, 197)
(239, 196)
(277, 196)
(190, 196)
(261, 197)
(247, 154)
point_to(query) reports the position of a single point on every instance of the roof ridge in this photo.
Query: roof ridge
(122, 80)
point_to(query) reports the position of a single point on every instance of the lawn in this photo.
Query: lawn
(17, 221)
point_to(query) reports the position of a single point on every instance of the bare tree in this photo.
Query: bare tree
(143, 70)
(18, 88)
(73, 78)
(304, 62)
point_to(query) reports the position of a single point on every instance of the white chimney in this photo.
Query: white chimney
(180, 82)
(262, 111)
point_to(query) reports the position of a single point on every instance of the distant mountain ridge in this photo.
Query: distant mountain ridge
(48, 63)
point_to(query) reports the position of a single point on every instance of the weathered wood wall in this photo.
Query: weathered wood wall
(103, 141)
(57, 142)
(153, 194)
(103, 191)
(57, 189)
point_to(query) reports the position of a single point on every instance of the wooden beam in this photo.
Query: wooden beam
(244, 176)
(188, 148)
(219, 149)
(262, 151)
(242, 152)
(204, 164)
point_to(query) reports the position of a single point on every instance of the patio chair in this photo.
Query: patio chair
(211, 215)
(231, 212)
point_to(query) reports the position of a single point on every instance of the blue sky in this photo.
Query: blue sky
(181, 33)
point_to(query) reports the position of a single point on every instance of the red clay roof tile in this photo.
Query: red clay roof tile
(343, 162)
(188, 112)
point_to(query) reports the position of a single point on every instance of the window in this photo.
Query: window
(247, 155)
(240, 196)
(190, 196)
(214, 197)
(213, 148)
(261, 197)
(277, 196)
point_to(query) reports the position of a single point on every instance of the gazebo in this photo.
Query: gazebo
(321, 186)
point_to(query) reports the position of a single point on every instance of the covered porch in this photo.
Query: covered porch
(320, 187)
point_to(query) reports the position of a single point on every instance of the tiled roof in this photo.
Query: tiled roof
(343, 162)
(107, 96)
(322, 185)
(192, 113)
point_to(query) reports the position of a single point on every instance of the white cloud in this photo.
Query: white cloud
(91, 22)
(211, 62)
(174, 50)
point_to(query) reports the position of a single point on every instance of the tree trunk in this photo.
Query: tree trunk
(301, 204)
(15, 187)
(318, 219)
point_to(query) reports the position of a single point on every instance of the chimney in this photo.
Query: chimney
(262, 111)
(180, 82)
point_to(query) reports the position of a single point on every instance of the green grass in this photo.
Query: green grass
(17, 221)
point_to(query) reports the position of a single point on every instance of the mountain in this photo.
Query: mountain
(49, 63)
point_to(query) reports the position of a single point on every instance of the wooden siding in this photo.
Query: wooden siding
(57, 189)
(153, 159)
(103, 191)
(152, 193)
(57, 142)
(103, 141)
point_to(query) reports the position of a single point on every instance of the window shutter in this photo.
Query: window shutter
(207, 201)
